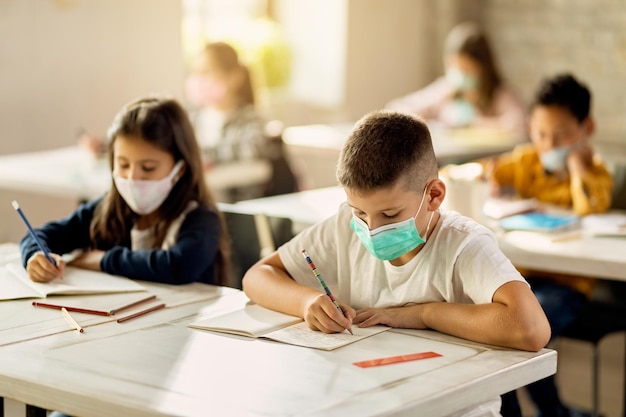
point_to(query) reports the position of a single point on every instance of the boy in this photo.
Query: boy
(559, 167)
(390, 257)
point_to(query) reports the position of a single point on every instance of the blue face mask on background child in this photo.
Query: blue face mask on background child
(391, 240)
(555, 160)
(461, 81)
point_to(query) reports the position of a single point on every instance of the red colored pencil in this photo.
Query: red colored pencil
(141, 313)
(133, 304)
(75, 309)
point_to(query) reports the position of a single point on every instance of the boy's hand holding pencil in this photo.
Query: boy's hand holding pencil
(325, 316)
(321, 314)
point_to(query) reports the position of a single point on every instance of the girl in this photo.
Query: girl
(157, 223)
(472, 92)
(227, 124)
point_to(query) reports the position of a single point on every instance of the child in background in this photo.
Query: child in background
(559, 167)
(221, 107)
(391, 257)
(228, 127)
(157, 223)
(472, 92)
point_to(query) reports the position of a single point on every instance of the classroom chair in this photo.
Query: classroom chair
(252, 236)
(597, 320)
(283, 179)
(602, 317)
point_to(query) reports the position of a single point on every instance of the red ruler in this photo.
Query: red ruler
(396, 359)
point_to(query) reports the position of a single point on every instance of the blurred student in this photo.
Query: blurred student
(559, 167)
(221, 107)
(391, 257)
(472, 91)
(158, 222)
(228, 127)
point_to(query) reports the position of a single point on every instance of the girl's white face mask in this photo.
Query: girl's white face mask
(145, 196)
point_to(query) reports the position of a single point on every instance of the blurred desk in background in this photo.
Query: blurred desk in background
(314, 149)
(68, 172)
(303, 208)
(571, 253)
(73, 173)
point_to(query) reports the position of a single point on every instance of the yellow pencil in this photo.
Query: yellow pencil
(71, 320)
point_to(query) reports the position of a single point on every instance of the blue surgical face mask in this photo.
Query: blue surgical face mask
(391, 240)
(460, 80)
(555, 160)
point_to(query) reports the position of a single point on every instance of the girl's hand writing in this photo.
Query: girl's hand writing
(321, 314)
(40, 269)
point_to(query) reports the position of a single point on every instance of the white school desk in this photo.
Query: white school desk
(156, 366)
(600, 257)
(73, 173)
(20, 321)
(314, 149)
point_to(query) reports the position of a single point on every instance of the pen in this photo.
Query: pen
(141, 313)
(321, 281)
(32, 233)
(71, 320)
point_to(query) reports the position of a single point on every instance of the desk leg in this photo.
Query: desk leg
(32, 411)
(1, 406)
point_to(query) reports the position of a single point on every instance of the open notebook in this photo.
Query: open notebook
(14, 283)
(501, 207)
(605, 224)
(259, 322)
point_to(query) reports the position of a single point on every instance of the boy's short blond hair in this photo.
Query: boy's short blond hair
(385, 147)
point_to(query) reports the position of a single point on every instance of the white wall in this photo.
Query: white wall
(71, 63)
(393, 49)
(353, 56)
(540, 39)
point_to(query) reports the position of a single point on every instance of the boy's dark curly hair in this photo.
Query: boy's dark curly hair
(566, 91)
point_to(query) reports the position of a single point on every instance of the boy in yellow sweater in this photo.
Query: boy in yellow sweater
(559, 167)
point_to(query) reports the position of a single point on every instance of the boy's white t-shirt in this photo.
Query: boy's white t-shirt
(459, 263)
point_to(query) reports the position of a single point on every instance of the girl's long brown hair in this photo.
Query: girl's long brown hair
(164, 124)
(467, 39)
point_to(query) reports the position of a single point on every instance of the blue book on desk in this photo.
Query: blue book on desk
(540, 222)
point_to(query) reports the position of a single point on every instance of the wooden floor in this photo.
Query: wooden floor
(574, 376)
